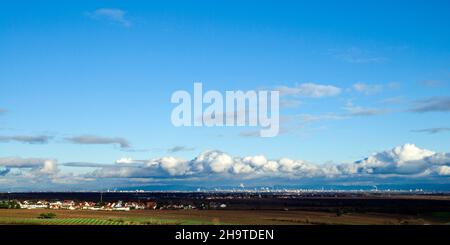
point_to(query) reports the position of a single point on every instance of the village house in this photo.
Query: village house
(89, 205)
(31, 205)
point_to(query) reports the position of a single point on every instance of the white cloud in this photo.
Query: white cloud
(217, 161)
(271, 166)
(256, 161)
(353, 110)
(125, 160)
(367, 88)
(443, 170)
(26, 170)
(357, 55)
(439, 158)
(405, 161)
(241, 168)
(49, 167)
(111, 15)
(310, 90)
(40, 164)
(174, 166)
(121, 172)
(307, 118)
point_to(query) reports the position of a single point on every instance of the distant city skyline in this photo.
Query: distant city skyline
(85, 93)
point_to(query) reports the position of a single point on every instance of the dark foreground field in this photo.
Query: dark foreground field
(187, 217)
(313, 208)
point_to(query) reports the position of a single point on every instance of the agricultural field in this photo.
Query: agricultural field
(219, 217)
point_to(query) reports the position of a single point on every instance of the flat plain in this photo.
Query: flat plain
(223, 217)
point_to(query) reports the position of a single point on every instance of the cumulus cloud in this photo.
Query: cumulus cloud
(42, 139)
(439, 159)
(405, 160)
(36, 166)
(111, 15)
(98, 140)
(2, 111)
(211, 168)
(215, 161)
(310, 90)
(173, 166)
(440, 104)
(443, 170)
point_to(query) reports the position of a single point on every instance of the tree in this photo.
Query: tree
(9, 205)
(47, 216)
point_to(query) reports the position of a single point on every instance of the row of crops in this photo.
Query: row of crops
(82, 221)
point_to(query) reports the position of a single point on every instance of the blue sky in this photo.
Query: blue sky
(107, 69)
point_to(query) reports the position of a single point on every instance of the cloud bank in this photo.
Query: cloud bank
(405, 160)
(405, 163)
